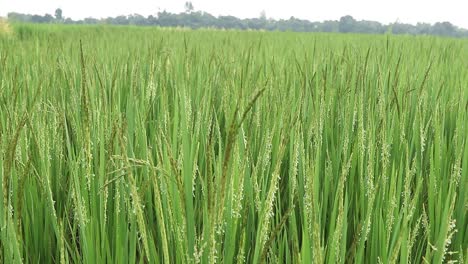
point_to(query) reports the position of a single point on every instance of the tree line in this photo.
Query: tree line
(199, 19)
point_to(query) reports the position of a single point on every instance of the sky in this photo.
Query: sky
(384, 11)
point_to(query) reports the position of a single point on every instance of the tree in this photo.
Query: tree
(365, 26)
(19, 17)
(347, 24)
(402, 28)
(188, 7)
(137, 19)
(330, 26)
(90, 21)
(423, 28)
(48, 18)
(443, 29)
(121, 20)
(58, 14)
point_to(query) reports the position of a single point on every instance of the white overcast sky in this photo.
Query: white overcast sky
(385, 11)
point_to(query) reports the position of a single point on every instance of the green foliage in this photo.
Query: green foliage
(58, 14)
(143, 145)
(200, 19)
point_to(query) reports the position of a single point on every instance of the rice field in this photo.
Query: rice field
(144, 145)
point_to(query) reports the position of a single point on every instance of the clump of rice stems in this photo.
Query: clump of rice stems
(9, 160)
(19, 206)
(413, 236)
(198, 252)
(219, 203)
(136, 203)
(275, 232)
(238, 191)
(80, 208)
(63, 253)
(160, 215)
(335, 248)
(371, 198)
(86, 115)
(448, 240)
(267, 212)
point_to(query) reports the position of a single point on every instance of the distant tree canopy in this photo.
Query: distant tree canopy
(58, 14)
(188, 7)
(199, 19)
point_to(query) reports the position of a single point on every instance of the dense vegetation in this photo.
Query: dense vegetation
(200, 19)
(144, 145)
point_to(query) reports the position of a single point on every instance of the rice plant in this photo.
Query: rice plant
(143, 145)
